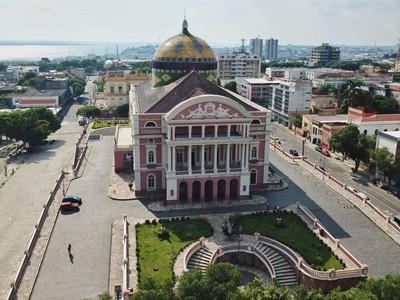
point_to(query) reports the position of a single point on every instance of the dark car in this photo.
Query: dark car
(73, 199)
(65, 206)
(318, 148)
(293, 152)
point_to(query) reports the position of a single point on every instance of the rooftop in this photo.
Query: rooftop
(40, 93)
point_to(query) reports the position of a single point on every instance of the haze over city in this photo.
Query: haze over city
(308, 22)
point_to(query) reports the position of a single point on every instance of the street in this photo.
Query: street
(340, 170)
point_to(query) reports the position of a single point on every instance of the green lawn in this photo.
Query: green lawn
(102, 124)
(156, 252)
(294, 233)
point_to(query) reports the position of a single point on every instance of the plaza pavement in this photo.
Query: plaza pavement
(119, 190)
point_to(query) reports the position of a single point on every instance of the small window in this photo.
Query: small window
(365, 131)
(253, 177)
(150, 141)
(150, 124)
(151, 157)
(376, 131)
(120, 89)
(255, 122)
(254, 152)
(179, 157)
(151, 182)
(111, 89)
(254, 137)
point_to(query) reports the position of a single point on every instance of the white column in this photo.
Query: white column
(246, 157)
(242, 156)
(190, 159)
(215, 159)
(202, 159)
(169, 133)
(173, 158)
(229, 130)
(169, 162)
(248, 130)
(215, 131)
(228, 158)
(203, 129)
(190, 131)
(173, 132)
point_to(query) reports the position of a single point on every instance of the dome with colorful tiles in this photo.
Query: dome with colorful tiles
(182, 54)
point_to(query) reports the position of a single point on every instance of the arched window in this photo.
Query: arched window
(256, 121)
(150, 124)
(151, 182)
(253, 177)
(385, 130)
(254, 153)
(150, 157)
(254, 137)
(365, 131)
(151, 141)
(376, 131)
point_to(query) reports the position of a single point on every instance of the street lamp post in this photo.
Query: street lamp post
(239, 236)
(302, 151)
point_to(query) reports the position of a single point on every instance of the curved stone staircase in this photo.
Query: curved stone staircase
(284, 272)
(200, 259)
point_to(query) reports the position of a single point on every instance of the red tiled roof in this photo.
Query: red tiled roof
(337, 75)
(26, 101)
(381, 118)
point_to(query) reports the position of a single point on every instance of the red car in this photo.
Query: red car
(326, 152)
(69, 206)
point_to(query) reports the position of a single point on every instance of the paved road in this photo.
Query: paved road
(358, 234)
(341, 170)
(22, 198)
(88, 231)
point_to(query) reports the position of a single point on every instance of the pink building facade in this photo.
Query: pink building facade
(195, 146)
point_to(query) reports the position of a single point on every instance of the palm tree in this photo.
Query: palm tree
(352, 87)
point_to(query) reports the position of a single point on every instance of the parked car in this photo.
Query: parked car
(397, 219)
(318, 148)
(73, 199)
(293, 152)
(326, 152)
(66, 206)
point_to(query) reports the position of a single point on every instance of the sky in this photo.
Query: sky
(297, 22)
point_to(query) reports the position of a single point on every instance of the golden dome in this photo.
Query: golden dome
(184, 47)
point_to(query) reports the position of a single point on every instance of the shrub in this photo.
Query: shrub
(154, 221)
(147, 221)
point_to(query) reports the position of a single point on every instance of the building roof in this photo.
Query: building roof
(327, 118)
(390, 134)
(42, 93)
(257, 81)
(337, 75)
(185, 47)
(381, 118)
(163, 99)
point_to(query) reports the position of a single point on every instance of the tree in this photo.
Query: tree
(217, 282)
(351, 143)
(297, 121)
(385, 105)
(123, 110)
(3, 67)
(45, 60)
(150, 289)
(89, 111)
(231, 85)
(30, 126)
(384, 161)
(78, 85)
(305, 293)
(327, 89)
(354, 95)
(255, 290)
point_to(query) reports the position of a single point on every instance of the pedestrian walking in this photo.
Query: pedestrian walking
(69, 248)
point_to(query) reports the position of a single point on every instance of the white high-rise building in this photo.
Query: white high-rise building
(256, 47)
(238, 64)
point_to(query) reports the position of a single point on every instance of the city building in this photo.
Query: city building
(390, 140)
(256, 47)
(321, 55)
(397, 63)
(369, 122)
(238, 64)
(116, 89)
(254, 89)
(192, 140)
(271, 49)
(286, 99)
(337, 80)
(313, 127)
(35, 98)
(323, 104)
(15, 73)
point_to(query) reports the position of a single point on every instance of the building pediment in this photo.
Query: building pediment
(208, 107)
